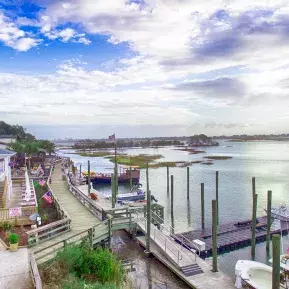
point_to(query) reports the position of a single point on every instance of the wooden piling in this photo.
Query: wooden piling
(203, 204)
(147, 177)
(88, 178)
(112, 191)
(217, 195)
(168, 180)
(148, 232)
(254, 218)
(172, 204)
(188, 183)
(253, 187)
(214, 236)
(276, 262)
(80, 170)
(269, 205)
(130, 178)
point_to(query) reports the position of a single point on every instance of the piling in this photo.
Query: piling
(253, 187)
(269, 205)
(112, 191)
(130, 178)
(276, 262)
(148, 233)
(172, 204)
(88, 177)
(217, 195)
(203, 204)
(214, 236)
(80, 170)
(147, 176)
(168, 180)
(188, 183)
(254, 218)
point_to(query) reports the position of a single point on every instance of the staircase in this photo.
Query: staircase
(191, 270)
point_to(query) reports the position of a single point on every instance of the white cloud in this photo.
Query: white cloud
(14, 37)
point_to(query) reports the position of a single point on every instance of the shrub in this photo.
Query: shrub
(13, 238)
(7, 226)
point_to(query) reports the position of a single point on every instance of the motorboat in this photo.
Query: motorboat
(136, 194)
(281, 213)
(253, 274)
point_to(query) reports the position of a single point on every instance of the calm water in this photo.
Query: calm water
(267, 161)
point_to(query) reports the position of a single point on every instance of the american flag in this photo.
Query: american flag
(111, 137)
(41, 183)
(48, 197)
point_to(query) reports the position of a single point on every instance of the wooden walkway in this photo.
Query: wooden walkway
(232, 236)
(81, 218)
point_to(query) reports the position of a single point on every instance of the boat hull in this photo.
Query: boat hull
(108, 180)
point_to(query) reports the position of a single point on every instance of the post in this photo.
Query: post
(130, 178)
(269, 202)
(88, 178)
(253, 187)
(147, 177)
(188, 183)
(148, 233)
(203, 205)
(115, 169)
(172, 203)
(112, 191)
(168, 180)
(217, 195)
(254, 218)
(214, 236)
(109, 232)
(80, 170)
(276, 262)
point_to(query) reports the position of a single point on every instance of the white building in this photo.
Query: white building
(5, 170)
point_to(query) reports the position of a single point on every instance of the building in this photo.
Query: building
(5, 175)
(7, 139)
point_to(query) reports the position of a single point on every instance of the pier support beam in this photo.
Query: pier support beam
(149, 217)
(172, 204)
(253, 186)
(214, 236)
(217, 195)
(203, 205)
(276, 262)
(168, 180)
(80, 170)
(130, 178)
(112, 191)
(254, 218)
(88, 178)
(147, 177)
(188, 183)
(269, 204)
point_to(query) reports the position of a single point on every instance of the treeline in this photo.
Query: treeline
(253, 137)
(90, 144)
(18, 131)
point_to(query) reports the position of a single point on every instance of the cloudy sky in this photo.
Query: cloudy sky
(88, 68)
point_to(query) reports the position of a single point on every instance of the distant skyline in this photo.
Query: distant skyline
(144, 68)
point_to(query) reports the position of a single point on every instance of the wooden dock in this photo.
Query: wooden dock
(231, 236)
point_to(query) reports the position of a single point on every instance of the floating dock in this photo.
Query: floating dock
(231, 236)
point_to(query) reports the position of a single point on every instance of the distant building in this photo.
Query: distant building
(7, 139)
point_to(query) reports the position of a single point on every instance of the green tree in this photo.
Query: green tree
(47, 145)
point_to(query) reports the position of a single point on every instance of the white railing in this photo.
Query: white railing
(35, 273)
(164, 241)
(185, 242)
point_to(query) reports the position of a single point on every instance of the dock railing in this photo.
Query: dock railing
(185, 242)
(164, 242)
(35, 273)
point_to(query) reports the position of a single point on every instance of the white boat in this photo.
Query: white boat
(136, 194)
(254, 274)
(281, 213)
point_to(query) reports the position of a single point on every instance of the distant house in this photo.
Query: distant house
(7, 139)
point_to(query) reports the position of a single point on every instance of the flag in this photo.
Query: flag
(111, 137)
(41, 183)
(48, 197)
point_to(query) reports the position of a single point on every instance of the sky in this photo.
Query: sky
(91, 68)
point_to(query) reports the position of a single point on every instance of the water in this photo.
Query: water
(267, 161)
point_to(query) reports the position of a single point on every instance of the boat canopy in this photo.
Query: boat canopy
(127, 167)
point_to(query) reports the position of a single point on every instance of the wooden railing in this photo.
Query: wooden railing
(47, 232)
(96, 210)
(35, 273)
(25, 211)
(5, 190)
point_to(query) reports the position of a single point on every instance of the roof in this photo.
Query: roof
(6, 152)
(7, 136)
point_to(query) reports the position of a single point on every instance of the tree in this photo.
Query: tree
(31, 148)
(47, 145)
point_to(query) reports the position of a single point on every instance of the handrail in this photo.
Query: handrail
(35, 272)
(175, 236)
(179, 255)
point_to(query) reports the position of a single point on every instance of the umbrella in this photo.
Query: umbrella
(33, 217)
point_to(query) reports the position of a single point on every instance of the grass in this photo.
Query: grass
(79, 267)
(218, 157)
(135, 160)
(191, 151)
(95, 154)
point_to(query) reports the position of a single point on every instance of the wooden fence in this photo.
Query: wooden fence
(35, 273)
(25, 213)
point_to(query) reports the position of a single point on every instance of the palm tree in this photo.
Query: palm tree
(30, 149)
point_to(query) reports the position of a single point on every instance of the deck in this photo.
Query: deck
(232, 236)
